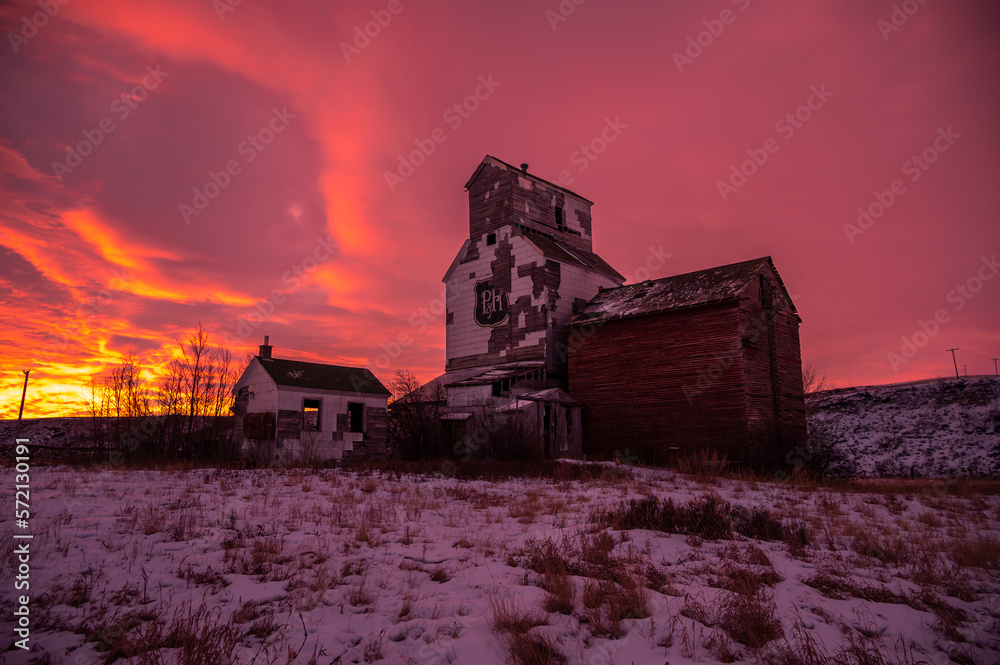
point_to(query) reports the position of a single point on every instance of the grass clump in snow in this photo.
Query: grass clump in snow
(514, 628)
(709, 518)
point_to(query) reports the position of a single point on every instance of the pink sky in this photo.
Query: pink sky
(105, 259)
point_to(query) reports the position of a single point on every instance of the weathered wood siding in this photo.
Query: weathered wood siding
(773, 367)
(500, 196)
(661, 385)
(331, 441)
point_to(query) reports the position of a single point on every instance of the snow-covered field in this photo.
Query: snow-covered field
(932, 429)
(331, 566)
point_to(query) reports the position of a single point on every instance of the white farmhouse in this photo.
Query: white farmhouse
(292, 410)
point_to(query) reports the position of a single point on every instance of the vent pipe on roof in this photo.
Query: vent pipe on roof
(524, 167)
(265, 349)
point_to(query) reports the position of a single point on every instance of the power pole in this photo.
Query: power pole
(995, 370)
(954, 361)
(20, 412)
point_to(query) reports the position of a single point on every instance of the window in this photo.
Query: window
(559, 217)
(491, 239)
(310, 415)
(355, 417)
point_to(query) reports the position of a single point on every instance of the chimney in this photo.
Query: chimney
(524, 167)
(265, 350)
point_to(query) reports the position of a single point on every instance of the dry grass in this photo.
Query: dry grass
(921, 550)
(749, 619)
(559, 590)
(513, 627)
(981, 552)
(710, 518)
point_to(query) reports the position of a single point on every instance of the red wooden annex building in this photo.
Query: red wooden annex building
(705, 361)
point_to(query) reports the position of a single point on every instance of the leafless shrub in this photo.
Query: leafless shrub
(750, 620)
(414, 419)
(702, 463)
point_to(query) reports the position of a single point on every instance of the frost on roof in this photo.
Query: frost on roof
(693, 288)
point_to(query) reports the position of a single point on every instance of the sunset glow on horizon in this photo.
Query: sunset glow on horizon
(296, 170)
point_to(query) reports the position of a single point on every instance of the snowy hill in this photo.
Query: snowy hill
(934, 428)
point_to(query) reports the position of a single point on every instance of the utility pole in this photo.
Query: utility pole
(995, 370)
(954, 361)
(20, 412)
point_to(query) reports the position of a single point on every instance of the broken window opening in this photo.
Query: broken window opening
(355, 417)
(491, 239)
(310, 415)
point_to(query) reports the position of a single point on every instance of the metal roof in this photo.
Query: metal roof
(298, 374)
(702, 287)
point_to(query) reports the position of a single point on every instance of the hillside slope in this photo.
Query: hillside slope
(938, 428)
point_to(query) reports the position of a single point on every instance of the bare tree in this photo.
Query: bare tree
(196, 377)
(186, 412)
(119, 404)
(812, 385)
(414, 427)
(505, 436)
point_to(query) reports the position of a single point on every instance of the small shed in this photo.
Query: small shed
(290, 410)
(704, 361)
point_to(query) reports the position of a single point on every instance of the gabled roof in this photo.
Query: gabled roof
(550, 248)
(499, 163)
(554, 249)
(702, 287)
(298, 374)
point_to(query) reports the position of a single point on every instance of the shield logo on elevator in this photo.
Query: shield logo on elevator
(492, 304)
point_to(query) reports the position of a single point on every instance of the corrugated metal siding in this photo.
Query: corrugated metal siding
(661, 385)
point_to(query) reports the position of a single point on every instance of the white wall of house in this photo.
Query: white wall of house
(271, 398)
